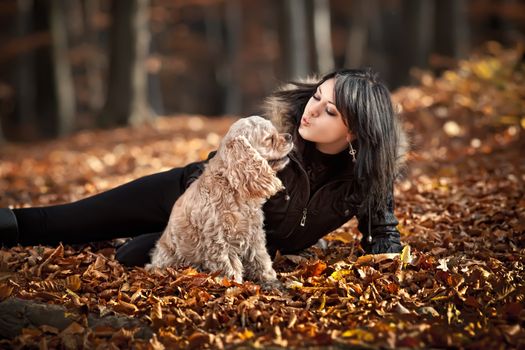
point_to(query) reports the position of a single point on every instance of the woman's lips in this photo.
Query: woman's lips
(305, 122)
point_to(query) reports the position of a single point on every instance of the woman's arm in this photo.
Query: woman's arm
(380, 234)
(194, 170)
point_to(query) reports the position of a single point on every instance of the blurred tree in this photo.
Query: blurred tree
(234, 51)
(64, 88)
(297, 48)
(323, 36)
(24, 71)
(418, 25)
(215, 42)
(358, 34)
(127, 101)
(452, 33)
(92, 65)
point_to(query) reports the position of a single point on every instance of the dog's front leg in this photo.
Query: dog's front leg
(259, 264)
(229, 264)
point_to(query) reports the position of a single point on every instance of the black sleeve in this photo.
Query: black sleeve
(193, 170)
(379, 228)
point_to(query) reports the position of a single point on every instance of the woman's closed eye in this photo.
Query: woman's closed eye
(329, 111)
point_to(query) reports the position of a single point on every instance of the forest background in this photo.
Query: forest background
(67, 65)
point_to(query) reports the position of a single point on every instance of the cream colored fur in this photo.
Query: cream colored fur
(217, 224)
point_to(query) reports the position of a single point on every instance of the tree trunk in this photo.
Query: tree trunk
(127, 89)
(358, 35)
(64, 88)
(46, 118)
(234, 47)
(24, 75)
(323, 36)
(215, 39)
(24, 66)
(418, 22)
(93, 65)
(298, 48)
(461, 29)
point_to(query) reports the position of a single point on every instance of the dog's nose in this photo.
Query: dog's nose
(287, 137)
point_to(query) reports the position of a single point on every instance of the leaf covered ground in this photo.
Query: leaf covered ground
(458, 283)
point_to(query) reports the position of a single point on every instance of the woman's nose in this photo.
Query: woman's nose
(314, 110)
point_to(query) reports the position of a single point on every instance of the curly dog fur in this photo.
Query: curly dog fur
(217, 224)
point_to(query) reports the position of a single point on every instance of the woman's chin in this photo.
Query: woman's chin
(305, 134)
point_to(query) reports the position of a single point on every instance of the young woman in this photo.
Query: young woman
(348, 151)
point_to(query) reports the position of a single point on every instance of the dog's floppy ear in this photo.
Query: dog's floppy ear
(248, 171)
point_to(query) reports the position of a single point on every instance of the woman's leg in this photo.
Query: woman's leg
(138, 207)
(136, 251)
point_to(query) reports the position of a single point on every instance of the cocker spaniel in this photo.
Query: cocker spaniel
(217, 223)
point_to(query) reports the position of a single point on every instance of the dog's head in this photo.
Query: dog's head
(264, 138)
(253, 151)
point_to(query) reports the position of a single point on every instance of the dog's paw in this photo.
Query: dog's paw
(273, 285)
(150, 267)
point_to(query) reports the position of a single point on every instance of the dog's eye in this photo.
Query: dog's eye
(270, 138)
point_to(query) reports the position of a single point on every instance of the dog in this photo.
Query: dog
(217, 223)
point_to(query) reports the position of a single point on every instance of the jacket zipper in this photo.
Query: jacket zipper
(305, 209)
(303, 219)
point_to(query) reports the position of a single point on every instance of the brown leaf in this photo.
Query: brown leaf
(5, 291)
(155, 344)
(58, 252)
(198, 339)
(316, 269)
(74, 283)
(124, 307)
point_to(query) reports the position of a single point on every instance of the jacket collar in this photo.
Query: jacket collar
(303, 147)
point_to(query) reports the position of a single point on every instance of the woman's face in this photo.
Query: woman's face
(322, 123)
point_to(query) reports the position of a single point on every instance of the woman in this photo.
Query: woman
(349, 148)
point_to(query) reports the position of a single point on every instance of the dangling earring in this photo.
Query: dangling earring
(352, 151)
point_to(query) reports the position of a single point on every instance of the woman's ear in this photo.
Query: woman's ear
(350, 137)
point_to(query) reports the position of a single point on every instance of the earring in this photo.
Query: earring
(352, 151)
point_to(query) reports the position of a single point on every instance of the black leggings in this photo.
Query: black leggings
(136, 208)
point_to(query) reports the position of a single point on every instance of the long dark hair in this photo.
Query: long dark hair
(366, 106)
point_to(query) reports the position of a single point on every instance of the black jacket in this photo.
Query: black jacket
(295, 218)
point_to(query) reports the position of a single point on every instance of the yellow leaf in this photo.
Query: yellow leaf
(246, 334)
(508, 119)
(323, 302)
(337, 275)
(359, 334)
(406, 258)
(483, 70)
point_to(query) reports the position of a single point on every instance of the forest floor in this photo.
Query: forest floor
(458, 283)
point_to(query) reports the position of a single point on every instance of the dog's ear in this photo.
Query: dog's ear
(248, 171)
